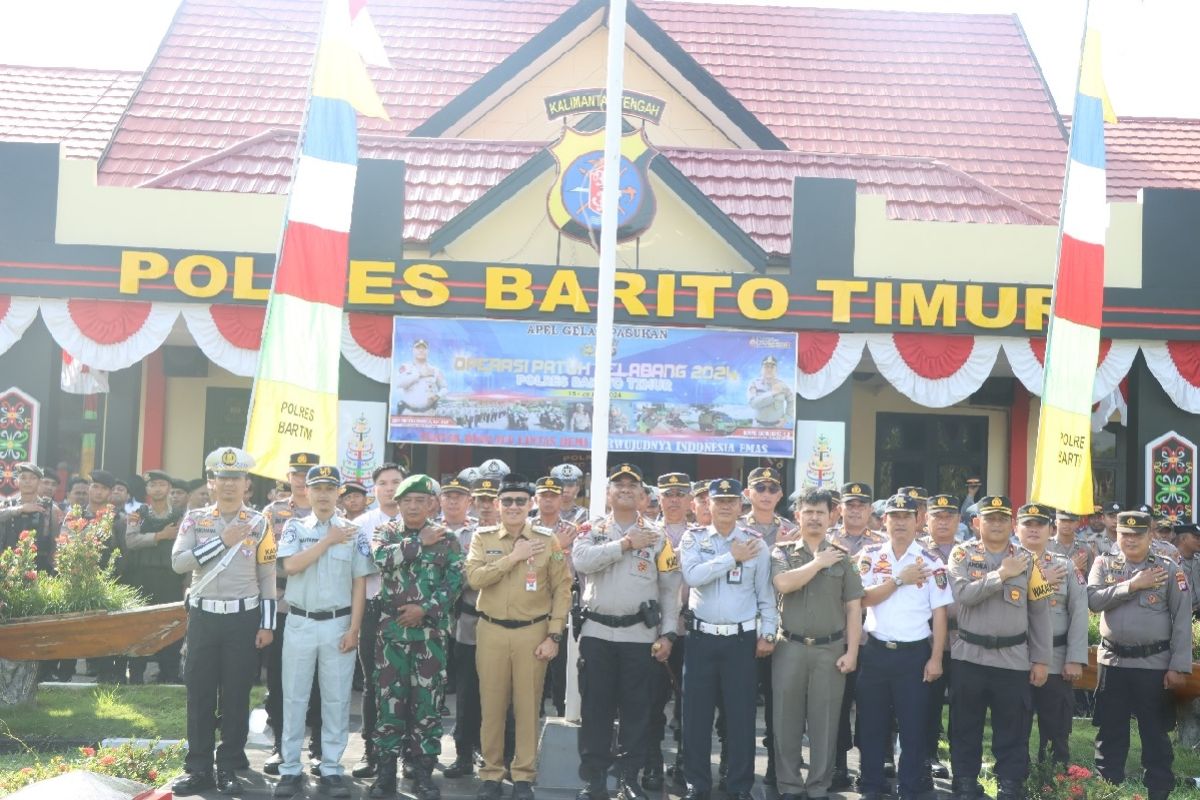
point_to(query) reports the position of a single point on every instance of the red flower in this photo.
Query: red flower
(1078, 772)
(88, 751)
(24, 535)
(152, 774)
(31, 575)
(108, 761)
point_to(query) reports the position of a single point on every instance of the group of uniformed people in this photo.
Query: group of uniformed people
(714, 602)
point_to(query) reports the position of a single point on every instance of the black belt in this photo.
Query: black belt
(872, 639)
(1136, 650)
(1060, 640)
(993, 642)
(319, 615)
(463, 607)
(812, 641)
(514, 623)
(611, 620)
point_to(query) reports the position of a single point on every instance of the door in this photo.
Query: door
(938, 452)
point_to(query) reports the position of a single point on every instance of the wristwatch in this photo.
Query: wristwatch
(898, 581)
(670, 636)
(556, 638)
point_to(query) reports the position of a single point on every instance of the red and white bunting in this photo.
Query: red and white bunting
(78, 378)
(1027, 358)
(934, 370)
(15, 315)
(108, 334)
(824, 359)
(367, 344)
(229, 335)
(1117, 402)
(1177, 367)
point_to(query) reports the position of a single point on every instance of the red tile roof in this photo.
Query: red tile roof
(1145, 152)
(78, 107)
(754, 188)
(963, 89)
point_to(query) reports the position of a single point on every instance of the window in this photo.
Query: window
(936, 452)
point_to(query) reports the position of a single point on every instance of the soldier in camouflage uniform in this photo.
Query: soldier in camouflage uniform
(422, 575)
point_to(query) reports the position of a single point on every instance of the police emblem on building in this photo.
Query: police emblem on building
(574, 201)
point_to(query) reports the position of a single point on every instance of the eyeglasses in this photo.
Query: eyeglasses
(768, 488)
(508, 502)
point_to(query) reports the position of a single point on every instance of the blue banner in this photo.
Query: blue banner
(529, 384)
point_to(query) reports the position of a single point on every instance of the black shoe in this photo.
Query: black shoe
(841, 779)
(314, 765)
(965, 789)
(1010, 790)
(490, 790)
(652, 777)
(385, 778)
(365, 768)
(463, 767)
(629, 789)
(695, 794)
(289, 786)
(271, 765)
(334, 786)
(228, 782)
(193, 783)
(241, 763)
(406, 770)
(594, 790)
(423, 786)
(938, 770)
(522, 790)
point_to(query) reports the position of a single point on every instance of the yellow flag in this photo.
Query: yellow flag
(667, 560)
(1039, 587)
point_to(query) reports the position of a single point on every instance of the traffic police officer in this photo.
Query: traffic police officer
(421, 566)
(732, 621)
(942, 515)
(820, 630)
(326, 567)
(1145, 649)
(569, 476)
(852, 535)
(1004, 645)
(1054, 701)
(630, 611)
(524, 597)
(230, 552)
(906, 595)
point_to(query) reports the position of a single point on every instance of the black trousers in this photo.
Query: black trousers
(274, 699)
(1054, 704)
(1125, 692)
(468, 716)
(974, 690)
(367, 636)
(667, 681)
(892, 681)
(716, 669)
(937, 701)
(219, 673)
(556, 681)
(614, 678)
(764, 688)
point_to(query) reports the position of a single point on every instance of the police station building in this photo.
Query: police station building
(838, 235)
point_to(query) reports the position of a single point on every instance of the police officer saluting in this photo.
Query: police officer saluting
(326, 594)
(230, 552)
(630, 609)
(1003, 646)
(733, 616)
(820, 629)
(1145, 649)
(1054, 701)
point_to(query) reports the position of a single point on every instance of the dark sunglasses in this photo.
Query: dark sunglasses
(507, 502)
(768, 488)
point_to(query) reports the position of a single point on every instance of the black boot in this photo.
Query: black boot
(1010, 790)
(628, 788)
(423, 786)
(385, 778)
(271, 765)
(365, 768)
(676, 772)
(652, 776)
(463, 766)
(841, 779)
(964, 788)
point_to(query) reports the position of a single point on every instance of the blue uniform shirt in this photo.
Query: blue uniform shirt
(326, 585)
(719, 593)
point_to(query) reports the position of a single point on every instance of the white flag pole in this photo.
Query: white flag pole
(602, 374)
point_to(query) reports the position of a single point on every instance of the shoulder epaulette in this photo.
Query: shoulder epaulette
(487, 529)
(930, 554)
(542, 530)
(873, 548)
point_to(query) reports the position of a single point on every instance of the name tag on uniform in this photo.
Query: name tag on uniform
(734, 575)
(531, 580)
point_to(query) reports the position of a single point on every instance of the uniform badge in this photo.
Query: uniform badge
(1181, 582)
(1014, 595)
(976, 574)
(1151, 599)
(959, 555)
(1110, 578)
(643, 566)
(939, 578)
(1053, 601)
(864, 567)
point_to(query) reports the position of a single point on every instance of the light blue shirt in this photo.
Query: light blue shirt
(328, 584)
(716, 593)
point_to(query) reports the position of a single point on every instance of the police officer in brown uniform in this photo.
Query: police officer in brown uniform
(1065, 541)
(230, 552)
(942, 514)
(524, 596)
(630, 611)
(1054, 701)
(1004, 645)
(820, 629)
(853, 535)
(1145, 650)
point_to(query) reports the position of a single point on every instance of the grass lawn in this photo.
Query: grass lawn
(92, 713)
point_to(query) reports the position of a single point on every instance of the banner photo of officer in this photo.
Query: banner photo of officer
(529, 384)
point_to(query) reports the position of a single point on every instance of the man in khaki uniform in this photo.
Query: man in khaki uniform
(1054, 701)
(1144, 602)
(524, 596)
(820, 629)
(1004, 646)
(631, 610)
